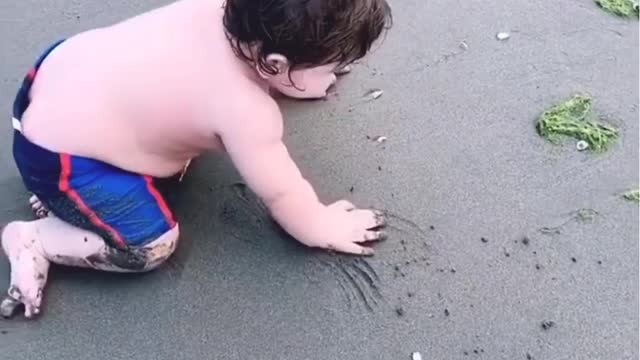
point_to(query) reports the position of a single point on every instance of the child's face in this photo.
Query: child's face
(310, 83)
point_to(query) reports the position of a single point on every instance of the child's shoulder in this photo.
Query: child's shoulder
(246, 108)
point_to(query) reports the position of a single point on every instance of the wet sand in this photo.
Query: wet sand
(463, 173)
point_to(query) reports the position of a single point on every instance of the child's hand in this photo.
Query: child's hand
(346, 228)
(257, 151)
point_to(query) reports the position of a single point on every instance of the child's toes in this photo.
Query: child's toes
(15, 298)
(30, 311)
(32, 302)
(38, 208)
(42, 213)
(33, 199)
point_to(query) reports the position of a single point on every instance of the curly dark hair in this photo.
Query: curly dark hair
(308, 32)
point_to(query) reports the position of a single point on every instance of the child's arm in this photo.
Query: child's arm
(257, 150)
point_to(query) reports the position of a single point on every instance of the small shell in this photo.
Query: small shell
(463, 45)
(416, 356)
(503, 36)
(582, 145)
(374, 93)
(380, 139)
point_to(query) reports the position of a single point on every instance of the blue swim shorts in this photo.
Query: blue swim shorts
(124, 208)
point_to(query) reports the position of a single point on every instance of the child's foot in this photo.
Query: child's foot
(38, 207)
(29, 270)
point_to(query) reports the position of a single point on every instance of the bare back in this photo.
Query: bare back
(139, 94)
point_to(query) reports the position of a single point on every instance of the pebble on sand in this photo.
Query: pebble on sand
(582, 145)
(501, 36)
(374, 93)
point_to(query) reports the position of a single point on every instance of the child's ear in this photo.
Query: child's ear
(275, 61)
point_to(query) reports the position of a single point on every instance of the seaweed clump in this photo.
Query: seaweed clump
(572, 119)
(622, 8)
(633, 195)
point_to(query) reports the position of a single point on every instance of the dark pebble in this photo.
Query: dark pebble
(399, 311)
(574, 260)
(453, 271)
(529, 357)
(475, 351)
(432, 227)
(4, 332)
(351, 189)
(379, 168)
(410, 294)
(507, 254)
(525, 241)
(538, 267)
(466, 353)
(484, 240)
(599, 262)
(446, 312)
(548, 324)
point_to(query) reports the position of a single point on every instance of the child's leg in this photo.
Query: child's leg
(31, 246)
(128, 226)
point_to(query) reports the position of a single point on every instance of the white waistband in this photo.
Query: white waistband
(16, 124)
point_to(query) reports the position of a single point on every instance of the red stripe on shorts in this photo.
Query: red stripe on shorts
(32, 73)
(65, 186)
(161, 202)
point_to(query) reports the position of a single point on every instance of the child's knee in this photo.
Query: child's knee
(139, 259)
(161, 249)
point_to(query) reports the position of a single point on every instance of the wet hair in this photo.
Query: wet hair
(307, 32)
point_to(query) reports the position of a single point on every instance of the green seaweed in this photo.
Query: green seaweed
(572, 119)
(622, 8)
(633, 195)
(586, 215)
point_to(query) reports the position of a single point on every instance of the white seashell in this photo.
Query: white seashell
(374, 93)
(582, 145)
(503, 36)
(416, 356)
